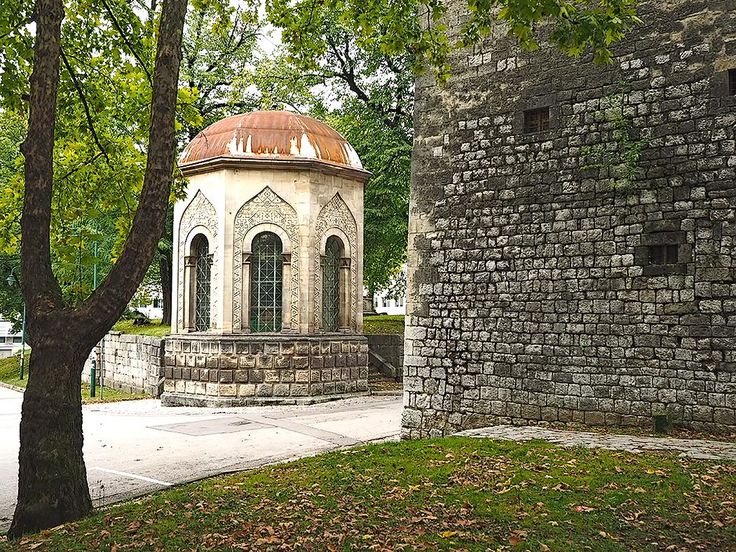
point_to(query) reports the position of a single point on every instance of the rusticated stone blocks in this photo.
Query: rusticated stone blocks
(266, 369)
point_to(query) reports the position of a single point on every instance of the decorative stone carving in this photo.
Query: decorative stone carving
(336, 214)
(265, 208)
(199, 212)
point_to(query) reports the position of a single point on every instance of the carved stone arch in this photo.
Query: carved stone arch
(199, 213)
(267, 207)
(335, 218)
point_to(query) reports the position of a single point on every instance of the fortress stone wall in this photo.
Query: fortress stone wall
(555, 273)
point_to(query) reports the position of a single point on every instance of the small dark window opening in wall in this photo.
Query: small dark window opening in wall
(732, 82)
(536, 120)
(663, 254)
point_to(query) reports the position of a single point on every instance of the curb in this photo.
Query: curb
(387, 393)
(12, 387)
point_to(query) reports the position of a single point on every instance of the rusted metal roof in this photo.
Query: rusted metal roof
(271, 135)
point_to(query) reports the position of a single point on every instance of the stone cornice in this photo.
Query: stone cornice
(240, 162)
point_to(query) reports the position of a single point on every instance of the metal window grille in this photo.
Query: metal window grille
(536, 120)
(202, 290)
(331, 285)
(663, 254)
(266, 283)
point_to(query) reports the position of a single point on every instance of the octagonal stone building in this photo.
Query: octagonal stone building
(268, 265)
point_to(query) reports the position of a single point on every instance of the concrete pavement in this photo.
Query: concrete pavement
(134, 447)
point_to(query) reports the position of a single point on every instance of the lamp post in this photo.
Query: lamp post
(12, 281)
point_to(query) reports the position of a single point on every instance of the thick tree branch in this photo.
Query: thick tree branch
(40, 288)
(106, 304)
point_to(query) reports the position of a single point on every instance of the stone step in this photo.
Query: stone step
(375, 375)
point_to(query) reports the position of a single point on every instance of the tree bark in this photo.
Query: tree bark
(52, 480)
(165, 269)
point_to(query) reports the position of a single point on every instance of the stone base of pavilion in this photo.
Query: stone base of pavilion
(257, 369)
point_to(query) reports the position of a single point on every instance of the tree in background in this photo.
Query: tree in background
(386, 152)
(219, 46)
(367, 95)
(367, 52)
(101, 136)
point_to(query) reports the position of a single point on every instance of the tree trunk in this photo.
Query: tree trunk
(52, 481)
(369, 302)
(165, 269)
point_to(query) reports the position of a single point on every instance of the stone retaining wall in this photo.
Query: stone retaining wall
(210, 370)
(390, 347)
(132, 363)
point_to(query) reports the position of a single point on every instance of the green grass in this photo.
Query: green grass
(10, 374)
(447, 494)
(383, 324)
(10, 370)
(374, 324)
(155, 329)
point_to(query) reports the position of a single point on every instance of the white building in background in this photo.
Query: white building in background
(154, 310)
(389, 305)
(10, 342)
(393, 299)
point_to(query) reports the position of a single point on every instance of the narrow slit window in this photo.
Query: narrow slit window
(732, 82)
(536, 120)
(663, 254)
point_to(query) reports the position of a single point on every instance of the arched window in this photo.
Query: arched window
(202, 277)
(266, 283)
(331, 284)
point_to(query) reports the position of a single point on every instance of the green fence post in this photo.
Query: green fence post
(93, 378)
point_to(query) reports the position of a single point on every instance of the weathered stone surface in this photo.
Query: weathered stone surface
(532, 295)
(691, 448)
(386, 354)
(132, 363)
(270, 368)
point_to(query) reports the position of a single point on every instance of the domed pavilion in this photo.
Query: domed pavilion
(268, 265)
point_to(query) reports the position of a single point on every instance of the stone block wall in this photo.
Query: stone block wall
(132, 363)
(389, 347)
(534, 290)
(210, 370)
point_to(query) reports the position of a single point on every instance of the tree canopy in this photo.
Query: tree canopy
(350, 62)
(416, 27)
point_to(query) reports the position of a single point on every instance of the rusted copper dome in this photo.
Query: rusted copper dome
(270, 135)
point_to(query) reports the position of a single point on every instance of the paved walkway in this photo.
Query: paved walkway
(135, 447)
(692, 448)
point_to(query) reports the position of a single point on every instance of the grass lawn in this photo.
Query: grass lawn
(10, 370)
(383, 324)
(373, 324)
(10, 374)
(447, 494)
(156, 329)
